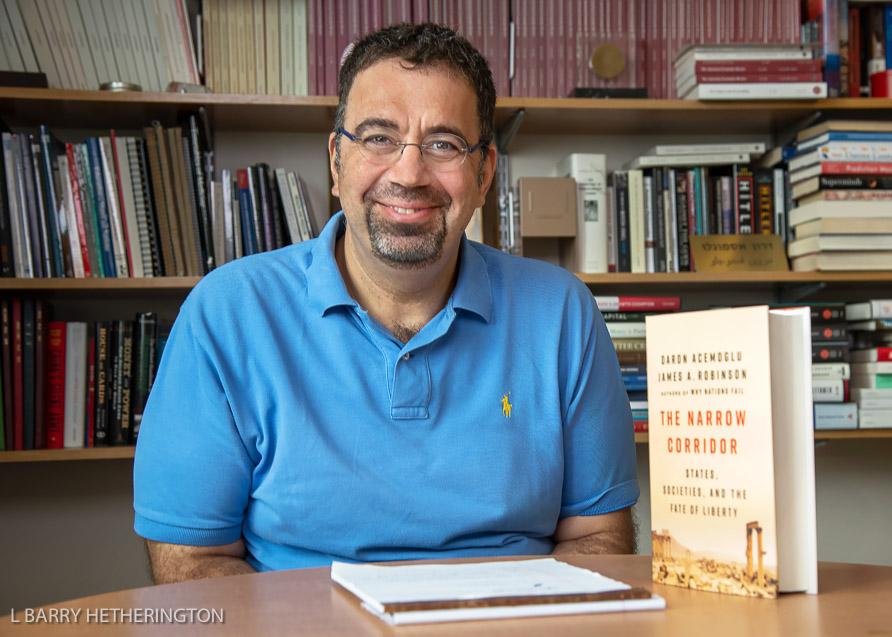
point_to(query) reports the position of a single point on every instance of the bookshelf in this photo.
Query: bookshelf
(315, 114)
(233, 117)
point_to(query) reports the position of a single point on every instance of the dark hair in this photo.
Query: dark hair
(419, 46)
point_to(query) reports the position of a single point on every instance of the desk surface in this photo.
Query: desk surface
(854, 600)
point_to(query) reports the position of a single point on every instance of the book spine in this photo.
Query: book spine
(743, 196)
(764, 181)
(245, 213)
(28, 374)
(40, 340)
(55, 389)
(100, 409)
(18, 387)
(126, 380)
(90, 414)
(51, 200)
(682, 234)
(117, 231)
(79, 251)
(75, 384)
(8, 390)
(7, 258)
(100, 209)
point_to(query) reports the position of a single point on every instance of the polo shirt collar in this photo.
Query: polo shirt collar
(326, 289)
(325, 286)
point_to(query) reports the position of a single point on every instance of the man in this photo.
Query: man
(389, 390)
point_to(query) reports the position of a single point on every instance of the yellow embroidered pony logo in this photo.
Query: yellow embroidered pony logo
(506, 406)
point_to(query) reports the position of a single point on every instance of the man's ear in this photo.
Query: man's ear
(489, 171)
(332, 164)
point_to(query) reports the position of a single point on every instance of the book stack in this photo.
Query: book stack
(748, 72)
(625, 319)
(675, 192)
(73, 384)
(831, 369)
(841, 182)
(80, 44)
(871, 324)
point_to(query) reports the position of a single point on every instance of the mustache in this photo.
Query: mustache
(403, 194)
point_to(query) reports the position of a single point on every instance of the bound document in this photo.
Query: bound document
(422, 593)
(731, 450)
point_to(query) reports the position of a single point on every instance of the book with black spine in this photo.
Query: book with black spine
(125, 335)
(115, 353)
(144, 361)
(102, 426)
(280, 233)
(682, 225)
(150, 242)
(48, 156)
(200, 174)
(7, 262)
(266, 213)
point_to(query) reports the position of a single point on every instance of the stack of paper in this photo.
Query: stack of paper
(421, 593)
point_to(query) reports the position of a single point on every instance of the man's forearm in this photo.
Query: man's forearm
(598, 543)
(173, 563)
(200, 568)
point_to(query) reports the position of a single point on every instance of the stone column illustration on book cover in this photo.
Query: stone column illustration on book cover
(711, 458)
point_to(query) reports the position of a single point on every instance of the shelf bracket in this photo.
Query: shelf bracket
(793, 293)
(505, 135)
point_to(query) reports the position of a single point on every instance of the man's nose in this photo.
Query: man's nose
(410, 168)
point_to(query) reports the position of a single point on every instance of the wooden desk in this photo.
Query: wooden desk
(854, 600)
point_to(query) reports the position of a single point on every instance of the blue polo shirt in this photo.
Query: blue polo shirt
(284, 414)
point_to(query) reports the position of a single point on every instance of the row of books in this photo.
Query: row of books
(851, 353)
(74, 384)
(81, 44)
(121, 206)
(856, 391)
(840, 184)
(258, 46)
(625, 317)
(734, 72)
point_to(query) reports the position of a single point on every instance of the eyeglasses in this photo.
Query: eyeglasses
(443, 152)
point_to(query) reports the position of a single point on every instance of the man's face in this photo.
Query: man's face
(409, 213)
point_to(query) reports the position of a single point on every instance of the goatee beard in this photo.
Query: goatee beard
(407, 245)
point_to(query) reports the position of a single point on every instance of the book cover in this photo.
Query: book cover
(75, 384)
(731, 451)
(55, 381)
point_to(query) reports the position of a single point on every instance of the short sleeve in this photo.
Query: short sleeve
(599, 442)
(192, 472)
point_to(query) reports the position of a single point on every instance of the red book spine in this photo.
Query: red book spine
(856, 168)
(91, 390)
(55, 386)
(649, 303)
(7, 374)
(718, 78)
(18, 380)
(40, 375)
(312, 53)
(78, 209)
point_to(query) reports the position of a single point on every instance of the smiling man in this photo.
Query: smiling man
(389, 390)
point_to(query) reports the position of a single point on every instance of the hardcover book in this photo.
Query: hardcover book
(731, 450)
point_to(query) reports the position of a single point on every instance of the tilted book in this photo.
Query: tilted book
(731, 450)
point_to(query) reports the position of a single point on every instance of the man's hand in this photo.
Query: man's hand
(177, 562)
(593, 534)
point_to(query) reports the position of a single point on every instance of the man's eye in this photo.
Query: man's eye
(378, 141)
(443, 146)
